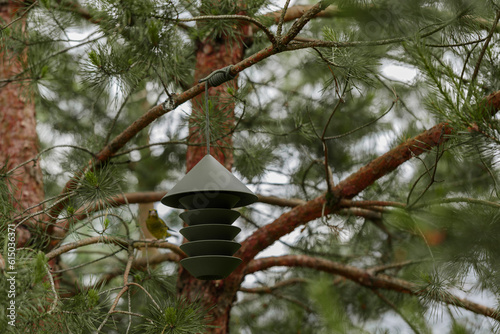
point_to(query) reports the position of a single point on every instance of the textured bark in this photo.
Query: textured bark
(18, 137)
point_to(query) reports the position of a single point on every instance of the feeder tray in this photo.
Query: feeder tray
(209, 216)
(210, 247)
(209, 199)
(210, 232)
(210, 267)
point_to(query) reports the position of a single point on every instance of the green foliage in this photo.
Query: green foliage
(332, 314)
(253, 160)
(176, 316)
(97, 187)
(94, 68)
(40, 267)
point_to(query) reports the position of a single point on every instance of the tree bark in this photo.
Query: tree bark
(18, 137)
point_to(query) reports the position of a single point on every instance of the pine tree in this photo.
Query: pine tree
(380, 190)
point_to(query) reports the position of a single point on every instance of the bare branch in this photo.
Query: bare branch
(297, 11)
(117, 241)
(302, 21)
(279, 285)
(366, 278)
(483, 51)
(259, 24)
(282, 18)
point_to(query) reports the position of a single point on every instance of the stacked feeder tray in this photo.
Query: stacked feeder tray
(208, 193)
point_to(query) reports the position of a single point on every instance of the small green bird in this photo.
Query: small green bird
(156, 226)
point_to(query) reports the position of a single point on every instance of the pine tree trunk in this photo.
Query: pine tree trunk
(18, 137)
(212, 55)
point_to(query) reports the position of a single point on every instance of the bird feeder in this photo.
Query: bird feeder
(208, 193)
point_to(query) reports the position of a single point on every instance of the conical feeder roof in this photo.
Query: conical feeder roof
(209, 184)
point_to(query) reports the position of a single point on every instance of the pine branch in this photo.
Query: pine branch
(116, 241)
(458, 200)
(316, 43)
(302, 21)
(366, 278)
(20, 17)
(396, 309)
(279, 285)
(282, 19)
(364, 213)
(260, 25)
(76, 8)
(370, 204)
(481, 54)
(141, 264)
(122, 291)
(295, 12)
(283, 202)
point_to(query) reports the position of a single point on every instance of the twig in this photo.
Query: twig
(455, 45)
(132, 313)
(41, 203)
(481, 55)
(259, 24)
(322, 43)
(282, 19)
(377, 269)
(123, 290)
(86, 263)
(279, 285)
(46, 150)
(20, 16)
(53, 287)
(394, 307)
(328, 173)
(114, 240)
(365, 125)
(432, 177)
(147, 293)
(302, 21)
(44, 211)
(113, 123)
(458, 200)
(129, 312)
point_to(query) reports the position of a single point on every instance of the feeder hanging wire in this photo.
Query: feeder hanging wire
(214, 79)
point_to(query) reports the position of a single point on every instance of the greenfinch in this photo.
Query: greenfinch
(156, 226)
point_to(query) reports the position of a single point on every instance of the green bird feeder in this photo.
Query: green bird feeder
(208, 193)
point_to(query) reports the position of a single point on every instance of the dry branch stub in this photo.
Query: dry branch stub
(209, 192)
